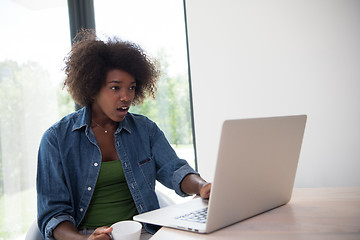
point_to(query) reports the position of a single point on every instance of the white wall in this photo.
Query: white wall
(252, 58)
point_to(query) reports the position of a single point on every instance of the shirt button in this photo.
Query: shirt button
(89, 188)
(96, 164)
(81, 209)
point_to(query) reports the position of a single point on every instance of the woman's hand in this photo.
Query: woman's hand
(205, 191)
(66, 231)
(101, 233)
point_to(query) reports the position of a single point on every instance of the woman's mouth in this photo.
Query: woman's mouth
(123, 109)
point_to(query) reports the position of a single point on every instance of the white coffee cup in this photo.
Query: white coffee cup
(126, 230)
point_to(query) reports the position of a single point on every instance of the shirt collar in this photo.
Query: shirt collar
(125, 124)
(84, 120)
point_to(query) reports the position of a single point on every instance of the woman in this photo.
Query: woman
(98, 166)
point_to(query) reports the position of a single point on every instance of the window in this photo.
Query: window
(159, 27)
(35, 39)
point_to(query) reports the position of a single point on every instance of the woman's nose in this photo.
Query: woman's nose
(124, 96)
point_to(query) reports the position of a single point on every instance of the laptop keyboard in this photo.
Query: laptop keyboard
(196, 216)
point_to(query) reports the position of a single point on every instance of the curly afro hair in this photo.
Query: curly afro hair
(90, 59)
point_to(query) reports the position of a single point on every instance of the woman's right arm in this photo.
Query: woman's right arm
(52, 194)
(54, 204)
(66, 230)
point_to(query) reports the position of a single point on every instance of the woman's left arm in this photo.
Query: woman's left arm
(194, 184)
(171, 170)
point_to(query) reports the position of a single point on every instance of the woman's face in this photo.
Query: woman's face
(115, 97)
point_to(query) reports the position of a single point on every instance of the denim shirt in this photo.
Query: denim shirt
(69, 161)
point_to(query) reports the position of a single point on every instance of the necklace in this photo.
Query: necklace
(105, 131)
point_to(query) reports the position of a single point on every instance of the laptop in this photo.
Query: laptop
(255, 172)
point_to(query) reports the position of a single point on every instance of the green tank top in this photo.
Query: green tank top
(111, 201)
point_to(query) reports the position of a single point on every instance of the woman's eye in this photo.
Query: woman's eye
(133, 88)
(114, 88)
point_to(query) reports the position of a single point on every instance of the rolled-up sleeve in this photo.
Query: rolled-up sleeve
(54, 222)
(179, 175)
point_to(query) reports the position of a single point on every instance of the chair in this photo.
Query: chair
(34, 234)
